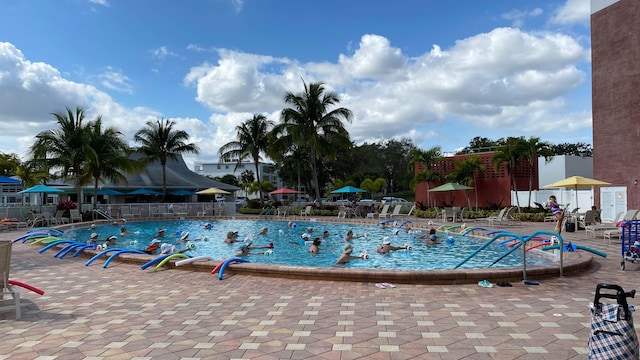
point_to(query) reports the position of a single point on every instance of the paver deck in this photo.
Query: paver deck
(124, 313)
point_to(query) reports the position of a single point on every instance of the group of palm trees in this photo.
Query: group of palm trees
(88, 152)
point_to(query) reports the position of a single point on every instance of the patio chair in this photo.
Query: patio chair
(7, 289)
(603, 226)
(75, 215)
(396, 211)
(491, 218)
(588, 219)
(385, 212)
(34, 220)
(342, 211)
(307, 211)
(58, 219)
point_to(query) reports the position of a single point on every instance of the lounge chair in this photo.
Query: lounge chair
(604, 226)
(342, 211)
(588, 219)
(58, 219)
(396, 211)
(307, 211)
(507, 218)
(385, 212)
(7, 289)
(613, 233)
(75, 215)
(490, 219)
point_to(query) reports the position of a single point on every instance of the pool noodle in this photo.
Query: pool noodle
(66, 249)
(26, 286)
(465, 232)
(81, 248)
(154, 261)
(579, 247)
(59, 242)
(100, 254)
(227, 263)
(190, 260)
(28, 235)
(171, 256)
(106, 263)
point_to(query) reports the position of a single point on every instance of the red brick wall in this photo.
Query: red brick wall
(615, 42)
(493, 186)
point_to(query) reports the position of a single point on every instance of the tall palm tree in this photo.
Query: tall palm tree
(309, 124)
(107, 156)
(252, 139)
(428, 158)
(474, 166)
(161, 142)
(64, 148)
(530, 150)
(509, 155)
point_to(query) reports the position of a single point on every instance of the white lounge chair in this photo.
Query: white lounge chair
(384, 213)
(307, 211)
(604, 226)
(396, 211)
(7, 289)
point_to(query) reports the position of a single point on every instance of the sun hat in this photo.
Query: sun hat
(184, 235)
(161, 230)
(93, 226)
(386, 240)
(94, 235)
(305, 236)
(348, 248)
(248, 242)
(155, 241)
(112, 237)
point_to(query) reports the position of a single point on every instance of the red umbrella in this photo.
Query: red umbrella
(283, 191)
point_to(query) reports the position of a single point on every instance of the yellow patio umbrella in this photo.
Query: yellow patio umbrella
(212, 191)
(574, 182)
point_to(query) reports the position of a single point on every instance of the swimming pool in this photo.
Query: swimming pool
(290, 249)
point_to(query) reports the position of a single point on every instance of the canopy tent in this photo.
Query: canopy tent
(41, 189)
(144, 192)
(212, 191)
(181, 192)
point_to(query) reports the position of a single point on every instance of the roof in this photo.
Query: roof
(8, 180)
(178, 177)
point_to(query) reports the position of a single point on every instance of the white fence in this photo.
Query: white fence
(584, 198)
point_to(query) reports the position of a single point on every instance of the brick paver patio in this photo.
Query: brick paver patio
(123, 312)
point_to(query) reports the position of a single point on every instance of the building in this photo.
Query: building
(268, 171)
(615, 50)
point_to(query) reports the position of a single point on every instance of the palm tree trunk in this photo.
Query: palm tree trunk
(515, 188)
(530, 182)
(95, 199)
(259, 183)
(314, 171)
(164, 180)
(475, 190)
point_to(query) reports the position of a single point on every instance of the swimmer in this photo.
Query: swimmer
(309, 230)
(160, 233)
(93, 226)
(232, 237)
(325, 234)
(346, 255)
(305, 236)
(245, 249)
(314, 249)
(263, 231)
(386, 246)
(208, 226)
(93, 239)
(153, 247)
(431, 235)
(166, 249)
(350, 236)
(111, 240)
(123, 231)
(184, 236)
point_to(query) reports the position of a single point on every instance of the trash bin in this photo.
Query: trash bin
(570, 227)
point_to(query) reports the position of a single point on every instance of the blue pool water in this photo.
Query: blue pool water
(289, 249)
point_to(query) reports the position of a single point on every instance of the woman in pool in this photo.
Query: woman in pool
(346, 255)
(556, 211)
(325, 234)
(166, 249)
(314, 249)
(350, 236)
(153, 247)
(386, 246)
(245, 249)
(123, 231)
(431, 236)
(232, 237)
(264, 231)
(93, 239)
(160, 233)
(111, 241)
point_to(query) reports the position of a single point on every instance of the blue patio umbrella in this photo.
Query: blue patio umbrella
(144, 192)
(348, 190)
(8, 180)
(182, 192)
(109, 192)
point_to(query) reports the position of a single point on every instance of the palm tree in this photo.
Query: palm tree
(509, 155)
(107, 156)
(530, 150)
(475, 166)
(309, 124)
(64, 148)
(427, 158)
(252, 139)
(161, 142)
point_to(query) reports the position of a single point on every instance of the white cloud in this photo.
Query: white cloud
(162, 53)
(237, 4)
(114, 79)
(518, 17)
(100, 2)
(573, 12)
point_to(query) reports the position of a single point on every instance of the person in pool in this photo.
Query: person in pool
(314, 249)
(386, 246)
(264, 231)
(208, 226)
(325, 234)
(431, 236)
(93, 239)
(153, 247)
(245, 249)
(166, 249)
(184, 236)
(111, 241)
(346, 255)
(350, 236)
(160, 233)
(123, 231)
(232, 237)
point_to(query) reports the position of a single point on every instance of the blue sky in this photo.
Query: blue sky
(438, 72)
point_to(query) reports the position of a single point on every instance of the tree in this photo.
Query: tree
(309, 123)
(509, 156)
(252, 139)
(160, 142)
(530, 150)
(466, 174)
(9, 164)
(106, 158)
(427, 158)
(64, 148)
(228, 179)
(246, 179)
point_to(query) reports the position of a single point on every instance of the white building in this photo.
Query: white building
(268, 171)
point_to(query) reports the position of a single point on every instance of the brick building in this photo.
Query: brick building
(493, 185)
(615, 52)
